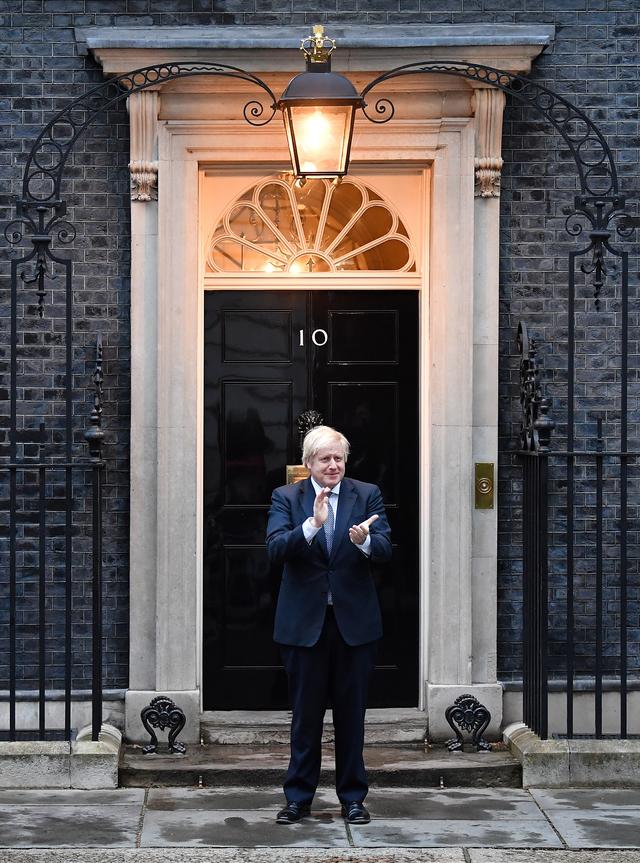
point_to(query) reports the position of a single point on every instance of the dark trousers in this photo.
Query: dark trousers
(332, 671)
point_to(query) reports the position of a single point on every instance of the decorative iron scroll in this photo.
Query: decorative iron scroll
(469, 715)
(536, 424)
(46, 161)
(599, 206)
(41, 211)
(163, 713)
(590, 151)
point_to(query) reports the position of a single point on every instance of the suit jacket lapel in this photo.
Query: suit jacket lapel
(346, 501)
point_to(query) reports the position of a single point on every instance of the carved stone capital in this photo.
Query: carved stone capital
(143, 118)
(144, 180)
(488, 105)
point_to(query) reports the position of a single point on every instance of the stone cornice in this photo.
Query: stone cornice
(512, 47)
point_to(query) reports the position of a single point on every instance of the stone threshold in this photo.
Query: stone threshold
(384, 726)
(262, 766)
(574, 763)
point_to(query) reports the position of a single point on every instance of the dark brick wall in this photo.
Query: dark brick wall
(594, 63)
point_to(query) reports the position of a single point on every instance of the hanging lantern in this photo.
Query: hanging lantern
(318, 108)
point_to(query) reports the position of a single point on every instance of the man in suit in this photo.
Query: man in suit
(325, 531)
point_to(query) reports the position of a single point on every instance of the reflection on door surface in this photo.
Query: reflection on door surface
(268, 356)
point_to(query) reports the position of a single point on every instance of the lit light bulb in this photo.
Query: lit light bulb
(296, 267)
(269, 268)
(315, 131)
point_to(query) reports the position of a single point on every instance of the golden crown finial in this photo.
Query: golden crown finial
(317, 48)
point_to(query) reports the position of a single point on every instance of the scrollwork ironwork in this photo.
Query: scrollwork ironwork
(599, 202)
(536, 425)
(40, 210)
(40, 226)
(469, 715)
(163, 713)
(584, 139)
(384, 107)
(46, 161)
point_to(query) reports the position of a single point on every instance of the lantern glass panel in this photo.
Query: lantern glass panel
(321, 138)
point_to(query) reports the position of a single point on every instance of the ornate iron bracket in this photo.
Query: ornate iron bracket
(470, 716)
(163, 713)
(598, 205)
(536, 424)
(40, 210)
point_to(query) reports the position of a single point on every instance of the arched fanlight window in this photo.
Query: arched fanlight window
(278, 226)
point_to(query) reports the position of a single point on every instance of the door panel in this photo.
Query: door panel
(357, 364)
(254, 387)
(366, 385)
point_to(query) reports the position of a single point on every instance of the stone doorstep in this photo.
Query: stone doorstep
(573, 763)
(83, 763)
(263, 766)
(248, 727)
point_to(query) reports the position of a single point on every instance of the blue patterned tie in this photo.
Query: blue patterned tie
(329, 525)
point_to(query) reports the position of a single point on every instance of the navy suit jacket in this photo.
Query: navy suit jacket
(309, 571)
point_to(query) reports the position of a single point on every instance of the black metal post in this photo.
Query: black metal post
(535, 436)
(599, 598)
(94, 437)
(42, 587)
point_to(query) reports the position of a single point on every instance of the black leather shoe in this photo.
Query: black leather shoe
(356, 813)
(292, 812)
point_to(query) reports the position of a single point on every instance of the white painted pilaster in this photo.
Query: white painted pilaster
(451, 382)
(144, 341)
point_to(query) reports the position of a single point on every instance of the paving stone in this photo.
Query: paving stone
(41, 826)
(479, 804)
(606, 828)
(423, 833)
(240, 829)
(588, 798)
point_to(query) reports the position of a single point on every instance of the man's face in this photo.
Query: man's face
(327, 466)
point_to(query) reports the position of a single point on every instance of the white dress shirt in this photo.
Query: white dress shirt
(310, 530)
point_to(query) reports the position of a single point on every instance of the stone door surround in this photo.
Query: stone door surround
(449, 127)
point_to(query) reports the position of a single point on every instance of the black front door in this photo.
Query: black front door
(269, 355)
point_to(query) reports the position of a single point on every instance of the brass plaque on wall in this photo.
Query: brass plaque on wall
(297, 472)
(484, 485)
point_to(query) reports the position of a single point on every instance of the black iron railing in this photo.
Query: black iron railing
(38, 543)
(576, 619)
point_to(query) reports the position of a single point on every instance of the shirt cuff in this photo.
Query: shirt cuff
(310, 530)
(365, 548)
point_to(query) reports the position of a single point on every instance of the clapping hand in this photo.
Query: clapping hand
(359, 532)
(321, 507)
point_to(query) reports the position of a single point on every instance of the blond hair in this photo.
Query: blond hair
(319, 437)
